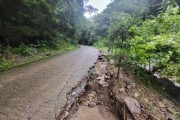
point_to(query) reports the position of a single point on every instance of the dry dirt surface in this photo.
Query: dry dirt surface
(30, 92)
(109, 98)
(99, 112)
(95, 103)
(137, 101)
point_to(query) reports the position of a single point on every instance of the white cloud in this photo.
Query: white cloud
(99, 4)
(87, 15)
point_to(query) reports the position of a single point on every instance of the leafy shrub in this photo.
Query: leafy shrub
(5, 65)
(22, 49)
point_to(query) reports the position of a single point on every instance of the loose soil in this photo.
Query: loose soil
(106, 98)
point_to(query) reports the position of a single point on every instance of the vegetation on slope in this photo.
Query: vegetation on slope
(137, 32)
(33, 27)
(142, 34)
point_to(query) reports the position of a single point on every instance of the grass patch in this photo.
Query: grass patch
(24, 54)
(100, 44)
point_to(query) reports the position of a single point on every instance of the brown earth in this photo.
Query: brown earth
(99, 112)
(124, 99)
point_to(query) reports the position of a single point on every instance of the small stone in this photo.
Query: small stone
(93, 92)
(33, 51)
(85, 103)
(92, 97)
(112, 62)
(145, 99)
(127, 82)
(134, 85)
(161, 105)
(99, 78)
(128, 86)
(66, 114)
(103, 83)
(107, 77)
(73, 93)
(143, 109)
(163, 109)
(122, 90)
(91, 104)
(167, 103)
(133, 106)
(170, 117)
(170, 110)
(136, 95)
(106, 85)
(48, 54)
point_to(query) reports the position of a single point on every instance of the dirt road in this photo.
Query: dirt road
(31, 92)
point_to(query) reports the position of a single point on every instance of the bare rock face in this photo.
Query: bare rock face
(133, 106)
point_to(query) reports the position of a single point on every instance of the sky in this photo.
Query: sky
(99, 4)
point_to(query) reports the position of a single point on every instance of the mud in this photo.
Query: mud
(104, 97)
(90, 99)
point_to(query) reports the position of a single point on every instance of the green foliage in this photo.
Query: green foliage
(33, 21)
(116, 10)
(139, 40)
(29, 53)
(158, 40)
(101, 43)
(87, 32)
(22, 49)
(5, 64)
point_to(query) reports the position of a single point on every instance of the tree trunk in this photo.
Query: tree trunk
(119, 61)
(4, 32)
(119, 66)
(109, 49)
(136, 71)
(149, 64)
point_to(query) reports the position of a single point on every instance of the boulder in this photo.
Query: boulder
(91, 104)
(133, 106)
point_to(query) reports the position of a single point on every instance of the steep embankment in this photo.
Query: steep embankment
(105, 97)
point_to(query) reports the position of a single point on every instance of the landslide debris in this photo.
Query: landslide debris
(107, 98)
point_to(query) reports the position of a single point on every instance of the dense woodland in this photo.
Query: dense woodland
(138, 33)
(142, 33)
(33, 21)
(28, 27)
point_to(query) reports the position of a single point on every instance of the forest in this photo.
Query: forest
(30, 22)
(139, 33)
(142, 33)
(119, 63)
(31, 27)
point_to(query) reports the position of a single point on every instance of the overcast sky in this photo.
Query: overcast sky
(99, 4)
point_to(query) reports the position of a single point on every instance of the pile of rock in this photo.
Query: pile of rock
(135, 101)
